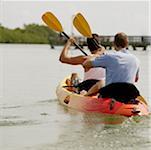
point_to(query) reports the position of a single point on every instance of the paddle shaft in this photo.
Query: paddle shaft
(69, 86)
(75, 44)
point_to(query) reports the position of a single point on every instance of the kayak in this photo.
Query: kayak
(99, 105)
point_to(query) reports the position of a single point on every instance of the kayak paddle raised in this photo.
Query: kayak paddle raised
(83, 27)
(53, 23)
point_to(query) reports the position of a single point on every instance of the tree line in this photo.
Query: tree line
(30, 34)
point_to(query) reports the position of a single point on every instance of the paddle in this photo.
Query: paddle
(53, 23)
(83, 27)
(140, 98)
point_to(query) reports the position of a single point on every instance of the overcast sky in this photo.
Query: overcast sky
(104, 17)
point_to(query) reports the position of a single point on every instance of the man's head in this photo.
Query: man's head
(93, 43)
(120, 41)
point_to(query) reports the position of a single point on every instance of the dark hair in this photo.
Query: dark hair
(121, 40)
(93, 43)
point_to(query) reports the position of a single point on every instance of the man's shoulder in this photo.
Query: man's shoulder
(133, 58)
(104, 56)
(110, 55)
(107, 57)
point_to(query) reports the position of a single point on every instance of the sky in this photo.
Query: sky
(104, 17)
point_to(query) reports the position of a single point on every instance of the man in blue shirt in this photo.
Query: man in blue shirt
(121, 65)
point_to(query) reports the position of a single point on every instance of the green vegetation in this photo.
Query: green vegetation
(39, 34)
(31, 34)
(106, 44)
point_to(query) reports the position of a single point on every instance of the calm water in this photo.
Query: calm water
(31, 117)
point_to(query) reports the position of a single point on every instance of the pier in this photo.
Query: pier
(107, 41)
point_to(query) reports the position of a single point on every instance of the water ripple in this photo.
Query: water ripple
(17, 123)
(47, 101)
(10, 107)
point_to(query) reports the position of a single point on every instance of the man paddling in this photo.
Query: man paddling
(121, 67)
(91, 76)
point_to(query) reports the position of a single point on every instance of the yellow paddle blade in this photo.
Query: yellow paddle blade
(140, 98)
(82, 25)
(52, 22)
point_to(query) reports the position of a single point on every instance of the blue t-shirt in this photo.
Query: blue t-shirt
(121, 66)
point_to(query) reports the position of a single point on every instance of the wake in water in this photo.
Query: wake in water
(27, 114)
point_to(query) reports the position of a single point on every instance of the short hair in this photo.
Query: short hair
(93, 43)
(121, 40)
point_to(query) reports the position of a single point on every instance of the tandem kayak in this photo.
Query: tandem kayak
(99, 105)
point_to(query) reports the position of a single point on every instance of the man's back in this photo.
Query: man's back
(120, 66)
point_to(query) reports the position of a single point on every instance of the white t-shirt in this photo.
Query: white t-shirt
(94, 73)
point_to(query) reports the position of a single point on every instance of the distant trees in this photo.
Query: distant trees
(31, 34)
(39, 34)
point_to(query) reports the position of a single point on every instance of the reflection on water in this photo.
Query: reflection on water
(96, 118)
(31, 117)
(63, 128)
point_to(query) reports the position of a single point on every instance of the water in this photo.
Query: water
(31, 117)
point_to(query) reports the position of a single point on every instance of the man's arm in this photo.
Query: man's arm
(87, 64)
(101, 61)
(95, 88)
(65, 58)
